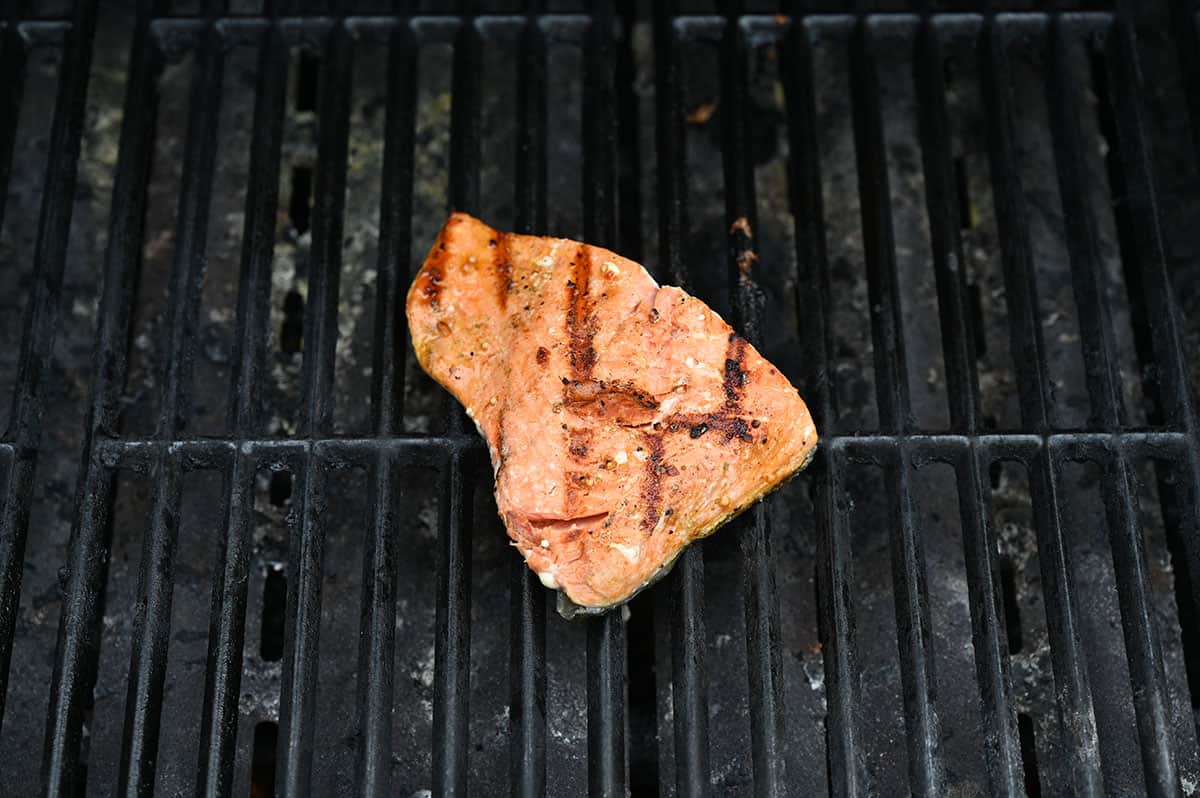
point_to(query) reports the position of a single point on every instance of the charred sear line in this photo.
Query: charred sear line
(579, 443)
(501, 447)
(737, 428)
(656, 468)
(581, 327)
(735, 376)
(503, 267)
(543, 355)
(697, 424)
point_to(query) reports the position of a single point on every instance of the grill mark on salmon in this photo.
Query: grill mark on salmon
(735, 376)
(582, 357)
(502, 267)
(580, 324)
(652, 481)
(579, 442)
(696, 425)
(543, 355)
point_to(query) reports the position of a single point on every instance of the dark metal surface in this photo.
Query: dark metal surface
(231, 504)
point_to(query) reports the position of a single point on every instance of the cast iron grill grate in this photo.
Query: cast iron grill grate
(232, 504)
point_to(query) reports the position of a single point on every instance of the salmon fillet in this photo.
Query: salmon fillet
(624, 419)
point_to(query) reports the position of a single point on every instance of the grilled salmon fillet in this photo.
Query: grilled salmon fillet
(624, 419)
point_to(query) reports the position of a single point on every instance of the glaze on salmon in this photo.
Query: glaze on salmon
(624, 419)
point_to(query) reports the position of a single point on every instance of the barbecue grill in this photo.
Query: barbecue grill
(246, 546)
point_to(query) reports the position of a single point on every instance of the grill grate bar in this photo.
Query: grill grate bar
(78, 637)
(395, 236)
(1002, 746)
(669, 135)
(227, 632)
(151, 634)
(6, 471)
(688, 676)
(187, 265)
(1187, 45)
(1188, 502)
(879, 245)
(531, 147)
(527, 666)
(606, 644)
(14, 486)
(949, 266)
(13, 56)
(377, 638)
(1028, 350)
(848, 773)
(813, 284)
(453, 637)
(762, 651)
(926, 769)
(606, 705)
(464, 119)
(689, 693)
(302, 628)
(258, 235)
(320, 333)
(600, 131)
(1077, 720)
(1095, 320)
(1138, 620)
